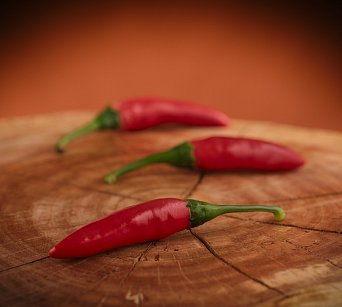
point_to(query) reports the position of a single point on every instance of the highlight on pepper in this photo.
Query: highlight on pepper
(143, 113)
(151, 220)
(220, 153)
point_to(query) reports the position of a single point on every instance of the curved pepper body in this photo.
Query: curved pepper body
(220, 153)
(225, 153)
(152, 220)
(142, 113)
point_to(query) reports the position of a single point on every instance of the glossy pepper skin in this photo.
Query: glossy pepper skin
(227, 153)
(143, 113)
(221, 153)
(152, 220)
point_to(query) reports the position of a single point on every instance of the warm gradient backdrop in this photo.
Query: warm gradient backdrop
(264, 63)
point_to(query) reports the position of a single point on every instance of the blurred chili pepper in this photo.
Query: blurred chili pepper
(142, 113)
(220, 153)
(152, 220)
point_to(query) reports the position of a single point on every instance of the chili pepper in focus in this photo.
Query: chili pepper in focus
(142, 113)
(152, 220)
(220, 153)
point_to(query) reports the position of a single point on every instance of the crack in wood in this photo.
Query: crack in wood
(137, 260)
(234, 267)
(281, 299)
(309, 252)
(23, 264)
(334, 264)
(284, 225)
(196, 185)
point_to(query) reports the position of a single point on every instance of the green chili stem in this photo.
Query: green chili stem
(152, 159)
(180, 155)
(90, 127)
(106, 119)
(202, 212)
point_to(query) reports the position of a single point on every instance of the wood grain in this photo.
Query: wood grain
(235, 260)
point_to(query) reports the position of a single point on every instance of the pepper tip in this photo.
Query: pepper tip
(110, 178)
(301, 161)
(279, 215)
(52, 252)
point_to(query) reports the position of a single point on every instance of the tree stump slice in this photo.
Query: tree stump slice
(235, 260)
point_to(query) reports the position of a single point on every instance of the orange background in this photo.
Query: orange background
(251, 62)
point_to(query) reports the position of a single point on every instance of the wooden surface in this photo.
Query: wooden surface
(235, 260)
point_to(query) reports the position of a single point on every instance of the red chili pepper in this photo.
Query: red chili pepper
(152, 220)
(221, 153)
(142, 113)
